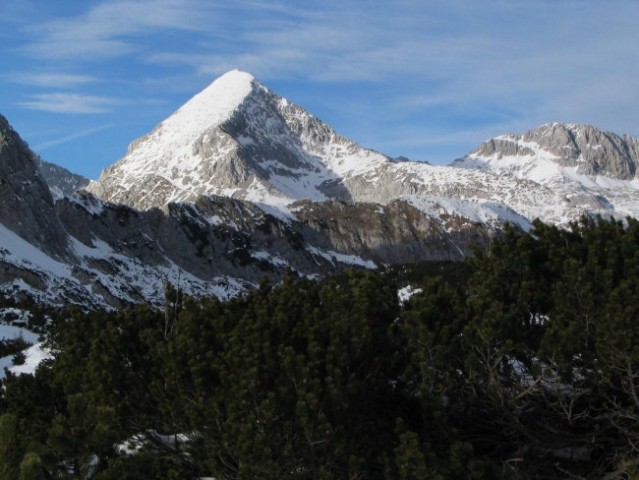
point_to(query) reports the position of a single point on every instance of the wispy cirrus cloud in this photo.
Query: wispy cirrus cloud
(50, 79)
(319, 41)
(70, 138)
(70, 103)
(110, 29)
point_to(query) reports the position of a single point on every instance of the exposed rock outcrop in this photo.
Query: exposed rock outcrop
(26, 202)
(590, 150)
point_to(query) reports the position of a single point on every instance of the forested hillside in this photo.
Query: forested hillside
(520, 362)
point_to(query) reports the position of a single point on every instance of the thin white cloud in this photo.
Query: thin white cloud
(69, 138)
(50, 79)
(15, 11)
(71, 103)
(108, 29)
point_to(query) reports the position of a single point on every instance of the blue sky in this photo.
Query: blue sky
(425, 79)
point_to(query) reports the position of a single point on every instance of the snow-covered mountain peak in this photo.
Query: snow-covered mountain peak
(181, 156)
(212, 106)
(235, 138)
(590, 171)
(559, 146)
(208, 109)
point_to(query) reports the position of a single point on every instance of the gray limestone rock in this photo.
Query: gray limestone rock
(61, 181)
(26, 202)
(592, 151)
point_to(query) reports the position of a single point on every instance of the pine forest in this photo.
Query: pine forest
(519, 362)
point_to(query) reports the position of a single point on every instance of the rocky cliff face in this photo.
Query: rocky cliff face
(396, 233)
(591, 151)
(62, 183)
(26, 203)
(220, 246)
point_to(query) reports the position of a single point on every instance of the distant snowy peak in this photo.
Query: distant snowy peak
(208, 109)
(235, 138)
(588, 171)
(239, 139)
(582, 148)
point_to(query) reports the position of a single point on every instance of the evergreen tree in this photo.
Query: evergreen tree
(10, 453)
(31, 467)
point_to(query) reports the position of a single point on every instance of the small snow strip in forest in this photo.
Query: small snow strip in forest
(34, 355)
(404, 294)
(342, 258)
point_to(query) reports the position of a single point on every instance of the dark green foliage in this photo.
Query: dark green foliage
(12, 346)
(9, 446)
(31, 467)
(522, 362)
(304, 373)
(19, 358)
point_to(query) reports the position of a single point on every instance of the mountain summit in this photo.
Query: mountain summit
(555, 146)
(235, 138)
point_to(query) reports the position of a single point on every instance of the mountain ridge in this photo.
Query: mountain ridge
(267, 150)
(106, 255)
(592, 151)
(220, 195)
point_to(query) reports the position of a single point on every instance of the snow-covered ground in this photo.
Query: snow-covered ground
(34, 354)
(133, 282)
(334, 257)
(404, 294)
(485, 212)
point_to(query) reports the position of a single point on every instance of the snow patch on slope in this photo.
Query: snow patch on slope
(34, 356)
(128, 279)
(333, 257)
(485, 212)
(16, 250)
(137, 281)
(404, 294)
